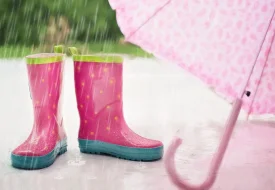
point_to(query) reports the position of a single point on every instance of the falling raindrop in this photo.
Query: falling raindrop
(25, 29)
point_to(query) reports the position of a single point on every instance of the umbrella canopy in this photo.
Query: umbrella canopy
(226, 43)
(218, 41)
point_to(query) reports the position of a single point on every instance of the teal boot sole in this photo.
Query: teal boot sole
(38, 162)
(124, 152)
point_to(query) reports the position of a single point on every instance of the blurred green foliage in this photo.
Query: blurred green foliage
(22, 22)
(96, 47)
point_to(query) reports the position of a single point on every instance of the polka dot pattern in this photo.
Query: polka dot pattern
(45, 82)
(101, 115)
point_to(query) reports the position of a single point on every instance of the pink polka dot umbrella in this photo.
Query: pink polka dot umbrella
(227, 44)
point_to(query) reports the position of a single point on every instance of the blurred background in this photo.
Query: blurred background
(32, 26)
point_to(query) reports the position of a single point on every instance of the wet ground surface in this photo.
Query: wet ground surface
(161, 101)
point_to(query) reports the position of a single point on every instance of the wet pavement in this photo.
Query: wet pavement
(160, 101)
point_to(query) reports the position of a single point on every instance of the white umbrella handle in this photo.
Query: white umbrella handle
(216, 162)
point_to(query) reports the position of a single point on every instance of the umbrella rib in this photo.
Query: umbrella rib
(257, 87)
(149, 18)
(255, 61)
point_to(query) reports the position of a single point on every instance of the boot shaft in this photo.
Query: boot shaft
(98, 82)
(45, 78)
(45, 73)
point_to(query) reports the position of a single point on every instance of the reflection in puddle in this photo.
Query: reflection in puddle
(140, 166)
(59, 177)
(76, 162)
(91, 177)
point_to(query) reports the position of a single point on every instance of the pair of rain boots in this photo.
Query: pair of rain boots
(98, 88)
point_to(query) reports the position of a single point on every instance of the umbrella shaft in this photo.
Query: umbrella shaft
(230, 125)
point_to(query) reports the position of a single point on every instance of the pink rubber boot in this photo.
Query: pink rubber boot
(47, 139)
(103, 130)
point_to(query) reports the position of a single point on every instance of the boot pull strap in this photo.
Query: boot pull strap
(73, 51)
(59, 49)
